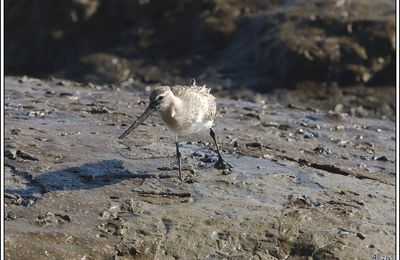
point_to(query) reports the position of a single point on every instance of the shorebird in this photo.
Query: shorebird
(185, 110)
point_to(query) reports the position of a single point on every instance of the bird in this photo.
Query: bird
(185, 110)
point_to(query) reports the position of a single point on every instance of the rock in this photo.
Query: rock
(361, 236)
(322, 150)
(254, 145)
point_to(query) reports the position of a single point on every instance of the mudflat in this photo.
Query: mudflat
(305, 182)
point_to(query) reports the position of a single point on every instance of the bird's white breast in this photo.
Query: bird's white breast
(189, 112)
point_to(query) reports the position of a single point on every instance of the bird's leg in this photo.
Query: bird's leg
(221, 163)
(178, 156)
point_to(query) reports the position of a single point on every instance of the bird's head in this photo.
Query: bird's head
(160, 99)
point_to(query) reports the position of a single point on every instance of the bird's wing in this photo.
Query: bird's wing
(178, 90)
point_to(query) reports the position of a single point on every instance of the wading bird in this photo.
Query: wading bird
(185, 110)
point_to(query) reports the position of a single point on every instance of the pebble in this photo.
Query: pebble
(254, 145)
(381, 158)
(339, 128)
(361, 236)
(322, 150)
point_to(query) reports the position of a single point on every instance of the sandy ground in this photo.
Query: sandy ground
(305, 183)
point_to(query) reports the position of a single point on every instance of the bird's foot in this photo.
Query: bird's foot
(222, 164)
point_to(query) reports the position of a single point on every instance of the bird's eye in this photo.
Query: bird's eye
(160, 98)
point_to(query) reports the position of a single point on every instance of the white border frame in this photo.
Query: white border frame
(2, 133)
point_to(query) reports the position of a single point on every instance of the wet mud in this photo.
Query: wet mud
(305, 183)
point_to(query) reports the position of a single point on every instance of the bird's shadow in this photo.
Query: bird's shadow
(85, 177)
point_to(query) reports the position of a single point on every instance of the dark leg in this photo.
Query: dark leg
(178, 156)
(221, 163)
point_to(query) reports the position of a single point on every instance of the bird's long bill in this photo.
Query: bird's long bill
(150, 109)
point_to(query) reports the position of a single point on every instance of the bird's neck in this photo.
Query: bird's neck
(175, 105)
